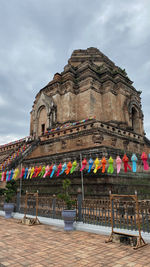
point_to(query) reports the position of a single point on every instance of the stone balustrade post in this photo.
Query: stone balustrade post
(54, 206)
(79, 204)
(18, 200)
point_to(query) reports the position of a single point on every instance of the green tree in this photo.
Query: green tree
(65, 195)
(10, 190)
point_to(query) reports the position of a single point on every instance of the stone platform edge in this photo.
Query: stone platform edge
(80, 226)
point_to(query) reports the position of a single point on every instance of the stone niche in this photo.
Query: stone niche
(43, 115)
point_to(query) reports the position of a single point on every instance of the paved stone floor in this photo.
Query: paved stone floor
(43, 245)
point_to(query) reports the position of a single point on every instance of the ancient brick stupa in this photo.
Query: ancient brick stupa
(91, 109)
(91, 86)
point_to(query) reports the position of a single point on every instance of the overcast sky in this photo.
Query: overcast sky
(38, 36)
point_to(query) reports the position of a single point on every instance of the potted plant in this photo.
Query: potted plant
(68, 214)
(9, 192)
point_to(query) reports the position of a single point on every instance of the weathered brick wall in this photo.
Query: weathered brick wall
(87, 136)
(90, 85)
(95, 186)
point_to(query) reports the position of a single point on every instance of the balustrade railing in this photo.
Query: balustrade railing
(124, 214)
(91, 211)
(47, 206)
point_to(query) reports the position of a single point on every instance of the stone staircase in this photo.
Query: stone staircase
(31, 146)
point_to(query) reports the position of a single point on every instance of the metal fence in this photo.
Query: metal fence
(47, 207)
(96, 212)
(91, 211)
(124, 214)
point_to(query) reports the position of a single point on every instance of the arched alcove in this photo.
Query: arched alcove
(53, 117)
(42, 120)
(135, 120)
(44, 115)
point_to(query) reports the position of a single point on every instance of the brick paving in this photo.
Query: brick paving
(43, 245)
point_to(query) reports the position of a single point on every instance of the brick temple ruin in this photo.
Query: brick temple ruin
(91, 109)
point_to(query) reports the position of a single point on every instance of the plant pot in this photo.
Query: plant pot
(68, 216)
(8, 208)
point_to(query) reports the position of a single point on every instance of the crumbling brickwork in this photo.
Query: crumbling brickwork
(91, 85)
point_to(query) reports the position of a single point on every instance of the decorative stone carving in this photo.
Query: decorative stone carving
(63, 144)
(79, 142)
(113, 141)
(46, 101)
(98, 138)
(51, 110)
(135, 147)
(50, 147)
(125, 144)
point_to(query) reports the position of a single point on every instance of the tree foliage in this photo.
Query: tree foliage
(10, 190)
(65, 195)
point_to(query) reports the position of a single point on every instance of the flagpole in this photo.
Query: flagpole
(82, 178)
(20, 188)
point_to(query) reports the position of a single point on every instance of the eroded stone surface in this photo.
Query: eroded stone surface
(90, 85)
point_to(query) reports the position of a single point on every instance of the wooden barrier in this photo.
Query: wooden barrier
(27, 220)
(140, 241)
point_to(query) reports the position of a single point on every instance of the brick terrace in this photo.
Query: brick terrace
(43, 245)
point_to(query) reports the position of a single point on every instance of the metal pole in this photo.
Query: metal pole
(82, 178)
(20, 187)
(37, 203)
